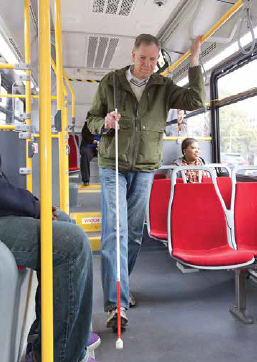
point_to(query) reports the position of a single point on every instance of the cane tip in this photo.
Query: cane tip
(119, 343)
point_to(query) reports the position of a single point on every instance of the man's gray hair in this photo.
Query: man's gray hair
(147, 39)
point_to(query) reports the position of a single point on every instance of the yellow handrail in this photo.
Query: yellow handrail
(72, 95)
(7, 127)
(52, 136)
(64, 162)
(222, 20)
(182, 138)
(46, 181)
(7, 66)
(21, 96)
(63, 157)
(28, 87)
(71, 90)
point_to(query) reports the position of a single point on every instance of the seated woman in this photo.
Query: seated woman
(190, 150)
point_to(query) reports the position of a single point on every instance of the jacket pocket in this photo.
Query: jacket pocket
(150, 146)
(107, 146)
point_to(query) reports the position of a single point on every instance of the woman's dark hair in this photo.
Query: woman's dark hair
(147, 39)
(187, 142)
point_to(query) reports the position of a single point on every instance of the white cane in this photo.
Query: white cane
(119, 342)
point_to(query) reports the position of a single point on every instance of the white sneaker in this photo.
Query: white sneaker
(113, 315)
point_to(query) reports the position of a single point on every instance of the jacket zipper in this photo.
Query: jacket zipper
(135, 136)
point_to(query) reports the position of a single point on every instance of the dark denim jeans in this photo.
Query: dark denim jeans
(72, 280)
(134, 191)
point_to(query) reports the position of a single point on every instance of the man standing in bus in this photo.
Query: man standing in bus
(144, 99)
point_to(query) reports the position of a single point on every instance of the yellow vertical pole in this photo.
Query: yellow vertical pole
(46, 181)
(63, 157)
(28, 87)
(72, 96)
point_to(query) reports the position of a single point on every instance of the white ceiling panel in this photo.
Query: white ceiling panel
(81, 89)
(74, 48)
(118, 16)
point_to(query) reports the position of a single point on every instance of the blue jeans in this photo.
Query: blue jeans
(72, 279)
(134, 191)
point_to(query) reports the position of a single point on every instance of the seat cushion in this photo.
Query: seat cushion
(74, 169)
(248, 248)
(221, 256)
(159, 235)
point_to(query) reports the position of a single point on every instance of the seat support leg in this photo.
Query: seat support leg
(239, 309)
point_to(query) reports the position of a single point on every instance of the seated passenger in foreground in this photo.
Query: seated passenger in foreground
(190, 150)
(72, 270)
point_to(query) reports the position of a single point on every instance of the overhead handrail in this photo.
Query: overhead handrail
(246, 16)
(222, 21)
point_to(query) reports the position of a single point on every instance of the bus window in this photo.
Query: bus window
(199, 125)
(238, 133)
(238, 119)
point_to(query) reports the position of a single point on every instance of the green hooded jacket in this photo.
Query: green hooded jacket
(142, 123)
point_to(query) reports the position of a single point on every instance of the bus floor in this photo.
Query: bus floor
(178, 317)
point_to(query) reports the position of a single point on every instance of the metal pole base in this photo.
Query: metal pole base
(240, 314)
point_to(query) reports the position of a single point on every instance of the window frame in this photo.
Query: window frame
(233, 63)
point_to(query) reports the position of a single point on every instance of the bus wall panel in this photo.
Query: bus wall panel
(13, 152)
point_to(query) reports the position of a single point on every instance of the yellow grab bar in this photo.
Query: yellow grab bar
(63, 156)
(46, 181)
(28, 86)
(222, 20)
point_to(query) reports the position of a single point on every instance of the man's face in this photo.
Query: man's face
(145, 58)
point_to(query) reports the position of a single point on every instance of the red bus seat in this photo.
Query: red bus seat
(225, 187)
(245, 216)
(158, 176)
(199, 229)
(158, 209)
(74, 153)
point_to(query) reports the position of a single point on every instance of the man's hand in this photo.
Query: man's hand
(54, 213)
(195, 49)
(110, 120)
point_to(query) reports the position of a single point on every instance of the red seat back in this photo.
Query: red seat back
(73, 156)
(179, 180)
(197, 218)
(158, 208)
(158, 176)
(225, 187)
(246, 215)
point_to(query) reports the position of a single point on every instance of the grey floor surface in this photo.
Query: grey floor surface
(178, 317)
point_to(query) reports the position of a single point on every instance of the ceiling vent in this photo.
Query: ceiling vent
(100, 51)
(113, 7)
